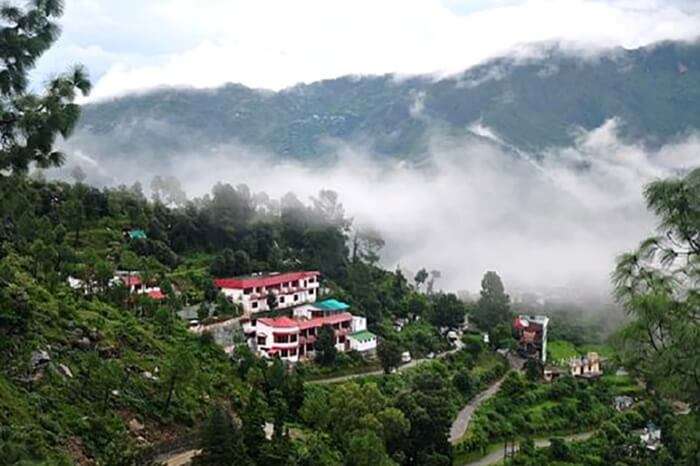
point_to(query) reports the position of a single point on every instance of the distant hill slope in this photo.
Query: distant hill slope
(655, 91)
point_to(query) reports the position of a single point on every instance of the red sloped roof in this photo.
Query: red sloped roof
(288, 322)
(263, 280)
(285, 322)
(327, 320)
(131, 280)
(156, 294)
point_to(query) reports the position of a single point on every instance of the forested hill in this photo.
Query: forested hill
(654, 91)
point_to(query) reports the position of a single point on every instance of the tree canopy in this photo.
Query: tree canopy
(493, 306)
(30, 123)
(659, 285)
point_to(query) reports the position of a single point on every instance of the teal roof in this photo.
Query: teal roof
(331, 305)
(362, 335)
(137, 234)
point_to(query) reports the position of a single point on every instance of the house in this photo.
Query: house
(621, 403)
(287, 289)
(551, 373)
(293, 338)
(531, 332)
(132, 280)
(363, 341)
(320, 309)
(586, 366)
(137, 234)
(651, 437)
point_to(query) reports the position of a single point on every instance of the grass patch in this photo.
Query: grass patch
(562, 350)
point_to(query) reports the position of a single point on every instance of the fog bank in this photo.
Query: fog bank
(553, 219)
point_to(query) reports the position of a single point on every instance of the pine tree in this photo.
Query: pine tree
(221, 441)
(30, 123)
(325, 346)
(254, 425)
(493, 307)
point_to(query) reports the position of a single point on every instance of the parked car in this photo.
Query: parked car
(405, 357)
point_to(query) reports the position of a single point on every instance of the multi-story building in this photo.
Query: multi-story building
(294, 338)
(531, 332)
(253, 292)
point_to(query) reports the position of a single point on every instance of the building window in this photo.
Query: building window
(285, 353)
(341, 339)
(296, 297)
(309, 347)
(281, 299)
(292, 338)
(247, 290)
(293, 352)
(254, 305)
(311, 291)
(261, 340)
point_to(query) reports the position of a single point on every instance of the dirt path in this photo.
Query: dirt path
(179, 459)
(497, 456)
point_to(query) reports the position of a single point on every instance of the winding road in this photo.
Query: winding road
(408, 365)
(497, 456)
(461, 423)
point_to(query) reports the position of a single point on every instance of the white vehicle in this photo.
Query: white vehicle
(405, 357)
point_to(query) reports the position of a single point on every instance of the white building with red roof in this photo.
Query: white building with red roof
(294, 338)
(289, 289)
(133, 281)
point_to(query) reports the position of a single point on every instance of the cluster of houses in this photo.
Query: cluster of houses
(135, 284)
(132, 280)
(293, 337)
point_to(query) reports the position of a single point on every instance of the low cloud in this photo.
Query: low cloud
(133, 45)
(554, 219)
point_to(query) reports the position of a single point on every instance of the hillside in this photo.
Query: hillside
(530, 104)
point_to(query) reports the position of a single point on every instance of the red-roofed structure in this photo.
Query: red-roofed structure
(276, 322)
(288, 289)
(268, 280)
(156, 294)
(131, 280)
(293, 338)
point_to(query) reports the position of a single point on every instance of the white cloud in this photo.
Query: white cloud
(277, 43)
(553, 220)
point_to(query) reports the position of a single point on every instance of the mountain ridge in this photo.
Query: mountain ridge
(531, 104)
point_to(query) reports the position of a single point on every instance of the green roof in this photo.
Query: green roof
(331, 305)
(137, 234)
(362, 335)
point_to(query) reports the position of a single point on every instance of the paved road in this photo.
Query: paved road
(497, 456)
(461, 423)
(408, 365)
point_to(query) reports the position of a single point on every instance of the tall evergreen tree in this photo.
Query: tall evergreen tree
(659, 285)
(253, 427)
(221, 441)
(30, 123)
(493, 307)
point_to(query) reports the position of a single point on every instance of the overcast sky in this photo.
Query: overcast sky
(133, 45)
